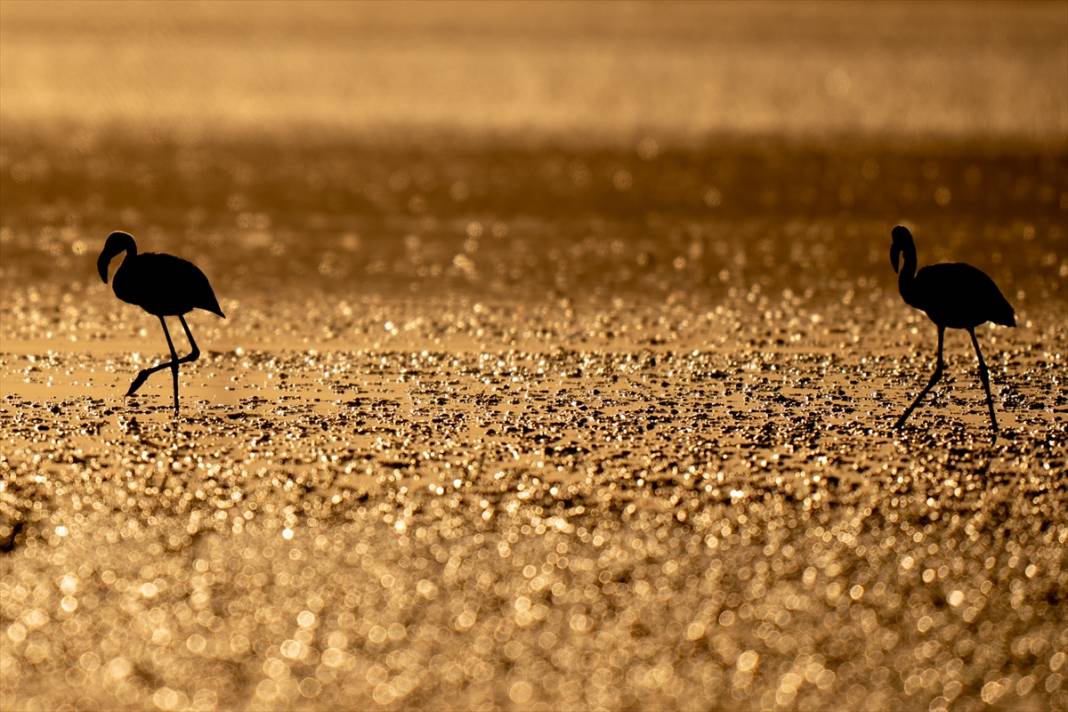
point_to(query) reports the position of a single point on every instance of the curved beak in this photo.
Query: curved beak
(895, 257)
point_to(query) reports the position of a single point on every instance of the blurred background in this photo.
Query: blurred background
(606, 72)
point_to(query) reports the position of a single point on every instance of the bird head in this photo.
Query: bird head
(900, 237)
(117, 242)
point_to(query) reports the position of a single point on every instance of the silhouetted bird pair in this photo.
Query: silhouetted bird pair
(954, 296)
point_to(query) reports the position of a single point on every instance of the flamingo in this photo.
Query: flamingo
(954, 296)
(162, 285)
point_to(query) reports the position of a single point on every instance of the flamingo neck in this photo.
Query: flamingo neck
(129, 252)
(908, 271)
(121, 273)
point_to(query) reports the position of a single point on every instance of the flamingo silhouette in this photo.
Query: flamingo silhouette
(162, 285)
(954, 296)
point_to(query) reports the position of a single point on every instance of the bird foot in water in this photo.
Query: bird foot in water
(138, 382)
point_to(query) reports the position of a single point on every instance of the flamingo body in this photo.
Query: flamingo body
(164, 285)
(958, 296)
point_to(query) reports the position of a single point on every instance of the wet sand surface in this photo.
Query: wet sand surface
(558, 372)
(604, 430)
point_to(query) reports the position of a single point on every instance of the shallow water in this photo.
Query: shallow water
(533, 529)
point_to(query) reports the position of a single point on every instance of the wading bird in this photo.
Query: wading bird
(954, 296)
(162, 285)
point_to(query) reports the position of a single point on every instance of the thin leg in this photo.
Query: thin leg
(174, 362)
(192, 356)
(195, 353)
(930, 384)
(985, 378)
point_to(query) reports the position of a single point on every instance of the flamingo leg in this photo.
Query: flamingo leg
(195, 353)
(984, 376)
(930, 384)
(172, 364)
